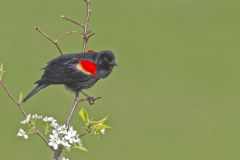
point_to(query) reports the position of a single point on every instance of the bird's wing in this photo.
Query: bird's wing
(63, 70)
(54, 71)
(54, 74)
(74, 70)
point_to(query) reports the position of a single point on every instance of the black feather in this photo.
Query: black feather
(34, 91)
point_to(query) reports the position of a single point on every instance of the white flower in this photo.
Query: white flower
(62, 129)
(30, 117)
(22, 133)
(63, 158)
(49, 119)
(27, 119)
(61, 135)
(71, 136)
(53, 122)
(54, 140)
(55, 125)
(102, 131)
(65, 143)
(45, 119)
(35, 116)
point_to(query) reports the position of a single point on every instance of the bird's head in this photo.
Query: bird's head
(105, 62)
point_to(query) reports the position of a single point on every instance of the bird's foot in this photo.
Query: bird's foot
(91, 100)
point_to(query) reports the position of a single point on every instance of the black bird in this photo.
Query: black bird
(76, 71)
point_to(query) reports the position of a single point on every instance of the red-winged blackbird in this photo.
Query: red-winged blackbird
(76, 71)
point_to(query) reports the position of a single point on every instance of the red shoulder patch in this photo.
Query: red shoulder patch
(87, 67)
(90, 51)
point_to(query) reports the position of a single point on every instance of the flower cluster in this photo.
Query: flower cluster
(60, 135)
(22, 133)
(52, 121)
(30, 117)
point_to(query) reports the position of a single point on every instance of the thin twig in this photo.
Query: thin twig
(13, 99)
(85, 133)
(75, 104)
(8, 93)
(73, 21)
(69, 118)
(71, 32)
(54, 41)
(85, 33)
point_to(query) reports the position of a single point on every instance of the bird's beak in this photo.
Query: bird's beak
(113, 63)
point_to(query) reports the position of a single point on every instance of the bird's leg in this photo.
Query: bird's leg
(90, 99)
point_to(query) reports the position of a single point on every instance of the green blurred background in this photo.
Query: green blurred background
(174, 96)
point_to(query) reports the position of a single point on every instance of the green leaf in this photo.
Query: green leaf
(98, 128)
(100, 121)
(101, 126)
(80, 148)
(47, 128)
(1, 71)
(20, 98)
(103, 120)
(84, 115)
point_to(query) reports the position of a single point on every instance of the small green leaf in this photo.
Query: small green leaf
(1, 71)
(84, 115)
(101, 126)
(80, 148)
(68, 148)
(92, 122)
(32, 123)
(100, 121)
(20, 98)
(47, 128)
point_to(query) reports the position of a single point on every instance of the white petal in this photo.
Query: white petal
(55, 146)
(25, 136)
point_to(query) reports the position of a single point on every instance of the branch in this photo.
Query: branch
(54, 41)
(85, 33)
(58, 152)
(73, 21)
(69, 118)
(71, 32)
(8, 93)
(75, 104)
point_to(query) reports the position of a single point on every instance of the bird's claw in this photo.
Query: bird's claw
(90, 100)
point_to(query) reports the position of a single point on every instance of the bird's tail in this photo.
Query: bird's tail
(34, 91)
